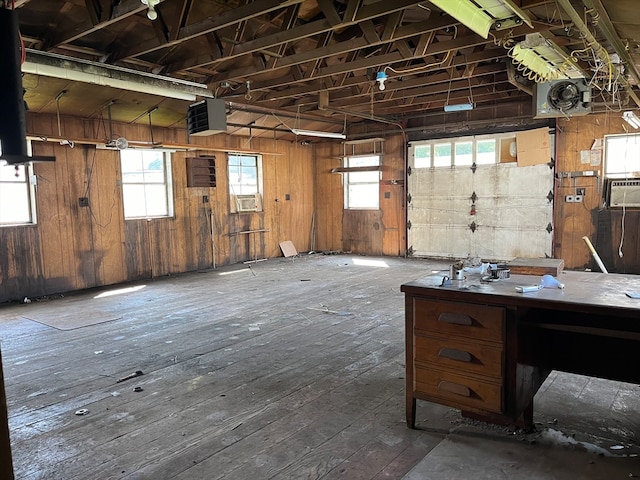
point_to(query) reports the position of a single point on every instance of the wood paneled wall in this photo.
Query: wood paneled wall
(367, 232)
(72, 247)
(575, 220)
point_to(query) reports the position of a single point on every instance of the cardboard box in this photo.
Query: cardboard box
(534, 147)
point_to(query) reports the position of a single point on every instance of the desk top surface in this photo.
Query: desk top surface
(584, 291)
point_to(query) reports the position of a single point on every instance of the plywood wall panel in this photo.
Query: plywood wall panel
(575, 220)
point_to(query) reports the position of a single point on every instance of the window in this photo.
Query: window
(422, 156)
(245, 182)
(17, 194)
(486, 152)
(146, 183)
(464, 153)
(362, 188)
(458, 152)
(622, 155)
(442, 155)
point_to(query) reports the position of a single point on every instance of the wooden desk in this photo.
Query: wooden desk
(486, 349)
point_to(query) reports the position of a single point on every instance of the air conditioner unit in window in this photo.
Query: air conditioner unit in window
(246, 203)
(625, 193)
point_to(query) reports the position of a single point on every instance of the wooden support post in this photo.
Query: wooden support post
(6, 463)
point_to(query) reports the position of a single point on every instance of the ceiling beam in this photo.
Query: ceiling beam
(122, 10)
(305, 31)
(59, 66)
(209, 25)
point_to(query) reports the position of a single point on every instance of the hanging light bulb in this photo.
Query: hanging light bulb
(152, 14)
(381, 77)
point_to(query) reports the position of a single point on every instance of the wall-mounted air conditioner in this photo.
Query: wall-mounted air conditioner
(625, 193)
(246, 203)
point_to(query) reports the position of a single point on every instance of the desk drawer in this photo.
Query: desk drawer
(463, 319)
(459, 391)
(483, 359)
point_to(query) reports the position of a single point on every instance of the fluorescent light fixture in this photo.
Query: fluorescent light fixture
(632, 119)
(315, 133)
(545, 58)
(481, 15)
(458, 107)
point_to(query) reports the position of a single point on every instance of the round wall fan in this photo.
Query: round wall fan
(564, 96)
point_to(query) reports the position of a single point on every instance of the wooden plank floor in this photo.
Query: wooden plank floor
(289, 369)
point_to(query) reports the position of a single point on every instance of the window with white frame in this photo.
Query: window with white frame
(17, 194)
(622, 156)
(458, 152)
(362, 188)
(146, 183)
(245, 182)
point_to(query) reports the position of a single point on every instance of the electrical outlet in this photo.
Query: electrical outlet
(83, 201)
(569, 198)
(578, 198)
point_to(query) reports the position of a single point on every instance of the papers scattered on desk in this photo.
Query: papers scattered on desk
(633, 294)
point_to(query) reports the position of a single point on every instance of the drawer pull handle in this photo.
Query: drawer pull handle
(454, 388)
(455, 354)
(455, 318)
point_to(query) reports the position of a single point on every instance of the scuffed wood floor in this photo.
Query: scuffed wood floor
(289, 369)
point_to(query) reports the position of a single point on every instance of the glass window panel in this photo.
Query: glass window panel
(15, 195)
(442, 155)
(146, 185)
(364, 196)
(364, 177)
(244, 174)
(14, 203)
(156, 200)
(464, 153)
(422, 156)
(486, 152)
(362, 189)
(9, 173)
(622, 154)
(369, 161)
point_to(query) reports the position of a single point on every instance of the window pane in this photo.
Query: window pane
(622, 154)
(364, 196)
(9, 173)
(145, 183)
(442, 155)
(464, 153)
(14, 203)
(15, 194)
(244, 174)
(156, 200)
(364, 177)
(369, 161)
(422, 156)
(485, 152)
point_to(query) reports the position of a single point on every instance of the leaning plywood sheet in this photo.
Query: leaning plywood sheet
(288, 249)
